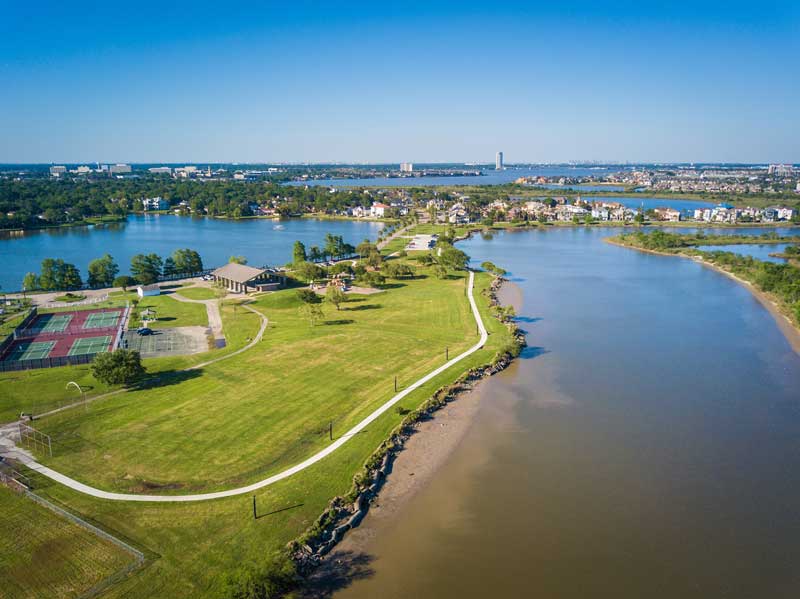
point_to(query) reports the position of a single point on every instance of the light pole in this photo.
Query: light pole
(81, 391)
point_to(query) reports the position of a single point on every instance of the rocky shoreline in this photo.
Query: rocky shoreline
(346, 513)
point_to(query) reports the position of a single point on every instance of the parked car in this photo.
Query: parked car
(208, 278)
(144, 331)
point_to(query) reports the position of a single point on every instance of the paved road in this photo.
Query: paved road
(100, 494)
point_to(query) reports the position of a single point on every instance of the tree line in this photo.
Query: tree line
(58, 275)
(33, 203)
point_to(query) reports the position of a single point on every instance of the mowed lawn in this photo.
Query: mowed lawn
(45, 555)
(270, 407)
(196, 544)
(197, 293)
(169, 312)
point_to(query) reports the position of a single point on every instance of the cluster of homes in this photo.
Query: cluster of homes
(724, 213)
(562, 209)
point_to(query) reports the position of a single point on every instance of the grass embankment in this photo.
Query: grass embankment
(780, 283)
(249, 416)
(197, 293)
(45, 555)
(37, 391)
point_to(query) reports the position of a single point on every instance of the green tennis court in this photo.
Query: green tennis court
(89, 345)
(32, 350)
(101, 320)
(53, 323)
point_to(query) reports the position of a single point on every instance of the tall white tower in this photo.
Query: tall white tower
(498, 162)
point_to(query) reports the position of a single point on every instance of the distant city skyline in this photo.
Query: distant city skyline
(432, 83)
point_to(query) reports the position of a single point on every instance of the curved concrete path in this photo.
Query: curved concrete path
(82, 488)
(212, 311)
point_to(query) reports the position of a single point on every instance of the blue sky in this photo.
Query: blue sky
(433, 82)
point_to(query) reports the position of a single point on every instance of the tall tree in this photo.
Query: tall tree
(187, 261)
(299, 252)
(237, 260)
(146, 268)
(102, 271)
(30, 282)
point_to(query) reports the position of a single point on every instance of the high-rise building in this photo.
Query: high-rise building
(498, 161)
(781, 170)
(119, 168)
(57, 171)
(406, 167)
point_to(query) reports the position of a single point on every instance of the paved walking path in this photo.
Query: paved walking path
(212, 309)
(86, 489)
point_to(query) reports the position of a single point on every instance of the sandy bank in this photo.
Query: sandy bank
(423, 454)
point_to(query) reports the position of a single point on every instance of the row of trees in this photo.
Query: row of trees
(30, 203)
(57, 275)
(335, 248)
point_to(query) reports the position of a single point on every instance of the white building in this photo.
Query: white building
(378, 210)
(157, 203)
(148, 290)
(160, 170)
(406, 167)
(57, 171)
(498, 161)
(119, 168)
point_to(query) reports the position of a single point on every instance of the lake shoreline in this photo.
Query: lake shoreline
(427, 449)
(789, 330)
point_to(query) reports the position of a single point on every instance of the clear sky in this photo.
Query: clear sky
(384, 82)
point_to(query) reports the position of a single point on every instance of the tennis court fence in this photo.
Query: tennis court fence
(6, 366)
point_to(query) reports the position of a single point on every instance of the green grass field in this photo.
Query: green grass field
(45, 555)
(170, 312)
(252, 415)
(197, 293)
(200, 435)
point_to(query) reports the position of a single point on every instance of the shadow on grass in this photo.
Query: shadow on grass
(392, 285)
(365, 307)
(166, 378)
(278, 511)
(339, 321)
(339, 570)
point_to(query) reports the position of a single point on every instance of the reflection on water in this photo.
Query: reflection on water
(216, 240)
(648, 447)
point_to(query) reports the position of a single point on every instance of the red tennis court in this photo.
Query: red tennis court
(61, 334)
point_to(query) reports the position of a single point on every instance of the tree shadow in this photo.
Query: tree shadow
(529, 352)
(166, 378)
(527, 319)
(339, 321)
(392, 285)
(338, 571)
(365, 307)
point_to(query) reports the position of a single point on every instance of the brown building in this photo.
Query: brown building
(241, 278)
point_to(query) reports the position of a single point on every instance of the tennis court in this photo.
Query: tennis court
(101, 320)
(89, 345)
(53, 323)
(31, 350)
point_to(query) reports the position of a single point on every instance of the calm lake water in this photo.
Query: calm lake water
(759, 252)
(489, 177)
(257, 239)
(646, 444)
